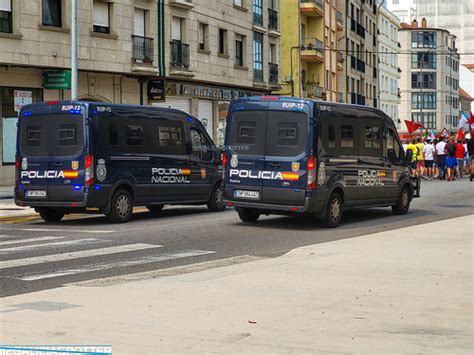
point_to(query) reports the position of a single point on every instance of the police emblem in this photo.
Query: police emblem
(295, 166)
(75, 165)
(24, 164)
(203, 173)
(234, 161)
(101, 170)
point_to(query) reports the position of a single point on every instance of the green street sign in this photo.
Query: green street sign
(57, 79)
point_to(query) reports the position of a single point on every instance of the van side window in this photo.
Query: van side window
(200, 145)
(113, 134)
(347, 136)
(331, 136)
(372, 137)
(134, 134)
(393, 146)
(33, 136)
(169, 136)
(67, 135)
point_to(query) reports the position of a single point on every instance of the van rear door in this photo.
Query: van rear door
(286, 155)
(52, 154)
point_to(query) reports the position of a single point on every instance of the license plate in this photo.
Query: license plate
(36, 193)
(255, 195)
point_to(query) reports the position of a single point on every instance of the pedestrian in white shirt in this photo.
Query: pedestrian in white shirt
(428, 152)
(441, 152)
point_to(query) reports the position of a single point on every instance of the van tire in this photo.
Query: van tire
(216, 201)
(49, 215)
(121, 207)
(403, 203)
(155, 208)
(333, 215)
(248, 215)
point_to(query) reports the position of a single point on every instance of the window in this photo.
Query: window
(423, 60)
(222, 41)
(33, 136)
(203, 36)
(134, 134)
(428, 119)
(347, 136)
(239, 3)
(425, 100)
(286, 133)
(170, 138)
(257, 12)
(372, 137)
(113, 135)
(393, 147)
(423, 39)
(51, 13)
(67, 135)
(239, 50)
(101, 16)
(257, 56)
(423, 80)
(200, 145)
(6, 16)
(331, 136)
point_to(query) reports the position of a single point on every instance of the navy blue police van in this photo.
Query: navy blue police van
(294, 156)
(75, 156)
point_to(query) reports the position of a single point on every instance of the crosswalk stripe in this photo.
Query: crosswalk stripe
(27, 240)
(36, 247)
(61, 230)
(76, 255)
(108, 266)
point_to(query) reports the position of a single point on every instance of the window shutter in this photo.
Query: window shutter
(5, 5)
(139, 23)
(101, 14)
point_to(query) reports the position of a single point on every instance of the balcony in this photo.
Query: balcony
(184, 4)
(339, 20)
(357, 64)
(312, 8)
(357, 28)
(272, 20)
(273, 73)
(179, 55)
(357, 99)
(142, 50)
(340, 61)
(312, 51)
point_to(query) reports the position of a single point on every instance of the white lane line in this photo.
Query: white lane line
(27, 240)
(108, 266)
(36, 247)
(61, 230)
(76, 255)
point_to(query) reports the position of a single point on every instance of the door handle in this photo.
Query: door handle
(57, 164)
(275, 165)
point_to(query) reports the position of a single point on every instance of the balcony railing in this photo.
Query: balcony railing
(273, 19)
(360, 66)
(273, 73)
(357, 99)
(375, 72)
(258, 75)
(142, 49)
(179, 54)
(360, 30)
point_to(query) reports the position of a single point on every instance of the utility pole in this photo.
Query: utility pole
(74, 80)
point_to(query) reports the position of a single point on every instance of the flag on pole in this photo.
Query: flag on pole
(460, 134)
(413, 126)
(432, 136)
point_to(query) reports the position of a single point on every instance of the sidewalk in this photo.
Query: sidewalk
(6, 192)
(8, 209)
(399, 292)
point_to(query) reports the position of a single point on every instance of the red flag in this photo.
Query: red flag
(460, 134)
(413, 126)
(471, 120)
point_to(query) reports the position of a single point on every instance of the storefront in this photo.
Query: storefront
(208, 103)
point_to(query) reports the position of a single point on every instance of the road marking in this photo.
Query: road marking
(76, 255)
(27, 240)
(108, 266)
(61, 230)
(36, 247)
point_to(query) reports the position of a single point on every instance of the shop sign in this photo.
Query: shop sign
(21, 98)
(57, 79)
(156, 90)
(209, 92)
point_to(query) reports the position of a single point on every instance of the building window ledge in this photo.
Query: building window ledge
(144, 68)
(184, 4)
(259, 28)
(260, 84)
(221, 55)
(240, 67)
(240, 8)
(104, 35)
(204, 51)
(274, 33)
(181, 72)
(10, 35)
(54, 29)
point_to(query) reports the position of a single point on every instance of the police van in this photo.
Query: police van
(294, 156)
(77, 156)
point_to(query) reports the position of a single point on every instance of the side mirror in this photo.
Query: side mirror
(408, 157)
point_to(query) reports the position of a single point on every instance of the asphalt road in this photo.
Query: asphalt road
(37, 256)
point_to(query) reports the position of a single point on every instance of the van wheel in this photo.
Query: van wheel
(333, 211)
(403, 203)
(121, 208)
(248, 215)
(49, 215)
(216, 202)
(155, 208)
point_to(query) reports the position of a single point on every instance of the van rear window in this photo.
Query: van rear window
(51, 135)
(287, 133)
(248, 132)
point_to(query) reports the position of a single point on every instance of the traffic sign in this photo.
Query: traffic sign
(445, 133)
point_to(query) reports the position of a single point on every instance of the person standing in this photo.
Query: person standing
(470, 149)
(451, 161)
(428, 152)
(420, 165)
(412, 147)
(460, 158)
(441, 152)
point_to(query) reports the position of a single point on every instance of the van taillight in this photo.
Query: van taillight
(53, 102)
(311, 173)
(89, 170)
(224, 163)
(17, 167)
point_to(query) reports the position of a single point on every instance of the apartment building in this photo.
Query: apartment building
(196, 55)
(309, 49)
(429, 82)
(361, 52)
(388, 49)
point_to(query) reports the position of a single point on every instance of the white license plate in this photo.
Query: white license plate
(247, 194)
(36, 193)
